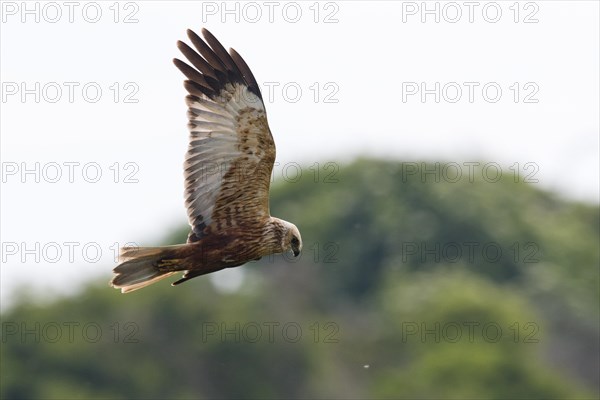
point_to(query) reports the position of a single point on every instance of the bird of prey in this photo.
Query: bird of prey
(227, 172)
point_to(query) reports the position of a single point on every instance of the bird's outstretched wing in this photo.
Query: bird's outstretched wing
(231, 150)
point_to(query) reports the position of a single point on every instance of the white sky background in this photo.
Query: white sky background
(366, 52)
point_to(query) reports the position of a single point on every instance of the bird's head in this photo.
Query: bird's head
(291, 239)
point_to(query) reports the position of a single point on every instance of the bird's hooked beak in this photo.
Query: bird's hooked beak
(295, 242)
(296, 248)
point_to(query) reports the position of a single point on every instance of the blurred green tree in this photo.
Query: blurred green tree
(387, 250)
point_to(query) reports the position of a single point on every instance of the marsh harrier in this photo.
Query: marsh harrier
(227, 174)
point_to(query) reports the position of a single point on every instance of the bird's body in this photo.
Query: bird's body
(227, 176)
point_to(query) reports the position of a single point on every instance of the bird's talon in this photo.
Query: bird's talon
(167, 264)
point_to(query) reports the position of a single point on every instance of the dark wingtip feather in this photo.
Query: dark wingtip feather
(246, 72)
(195, 89)
(197, 61)
(235, 75)
(206, 52)
(214, 66)
(190, 72)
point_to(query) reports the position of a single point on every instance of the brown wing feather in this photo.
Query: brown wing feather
(244, 195)
(231, 150)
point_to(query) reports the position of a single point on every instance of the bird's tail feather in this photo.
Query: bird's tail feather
(139, 267)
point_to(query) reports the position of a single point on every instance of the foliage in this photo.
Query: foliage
(399, 293)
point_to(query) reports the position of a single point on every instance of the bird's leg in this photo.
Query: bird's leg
(169, 265)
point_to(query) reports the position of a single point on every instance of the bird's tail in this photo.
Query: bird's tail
(143, 266)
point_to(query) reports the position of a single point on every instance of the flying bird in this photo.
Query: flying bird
(227, 172)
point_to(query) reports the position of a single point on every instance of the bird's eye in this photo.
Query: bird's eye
(295, 240)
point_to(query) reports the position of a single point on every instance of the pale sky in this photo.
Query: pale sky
(93, 107)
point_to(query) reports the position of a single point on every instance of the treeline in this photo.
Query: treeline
(410, 285)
